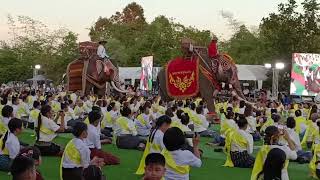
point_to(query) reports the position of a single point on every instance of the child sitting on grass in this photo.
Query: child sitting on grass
(76, 156)
(9, 144)
(47, 130)
(178, 161)
(93, 140)
(155, 167)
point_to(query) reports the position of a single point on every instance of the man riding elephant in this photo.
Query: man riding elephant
(109, 66)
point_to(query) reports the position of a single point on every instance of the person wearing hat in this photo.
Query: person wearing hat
(213, 48)
(101, 52)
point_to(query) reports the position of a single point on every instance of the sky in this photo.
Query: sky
(79, 15)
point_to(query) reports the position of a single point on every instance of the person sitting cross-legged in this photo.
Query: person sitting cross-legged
(93, 140)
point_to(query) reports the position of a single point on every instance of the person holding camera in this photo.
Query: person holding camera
(178, 161)
(47, 130)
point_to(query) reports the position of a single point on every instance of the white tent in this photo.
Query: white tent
(245, 72)
(252, 72)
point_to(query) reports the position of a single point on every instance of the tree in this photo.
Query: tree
(33, 43)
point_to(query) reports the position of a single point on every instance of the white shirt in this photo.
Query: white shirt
(101, 52)
(49, 124)
(158, 139)
(295, 138)
(15, 110)
(204, 123)
(236, 148)
(143, 130)
(252, 124)
(93, 139)
(13, 145)
(5, 121)
(132, 129)
(84, 153)
(182, 157)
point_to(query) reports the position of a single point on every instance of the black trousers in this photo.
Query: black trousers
(72, 173)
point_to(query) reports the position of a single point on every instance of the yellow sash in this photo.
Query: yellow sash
(34, 114)
(46, 130)
(299, 120)
(5, 151)
(107, 119)
(161, 110)
(21, 111)
(141, 120)
(72, 153)
(3, 128)
(312, 164)
(142, 165)
(233, 136)
(268, 123)
(176, 124)
(310, 132)
(122, 123)
(171, 164)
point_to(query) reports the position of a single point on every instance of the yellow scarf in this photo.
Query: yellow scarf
(72, 153)
(171, 164)
(233, 136)
(312, 164)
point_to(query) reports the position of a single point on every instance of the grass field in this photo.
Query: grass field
(211, 167)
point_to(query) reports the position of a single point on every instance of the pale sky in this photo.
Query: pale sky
(79, 15)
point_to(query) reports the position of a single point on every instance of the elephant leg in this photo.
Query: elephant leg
(207, 92)
(88, 88)
(162, 86)
(101, 92)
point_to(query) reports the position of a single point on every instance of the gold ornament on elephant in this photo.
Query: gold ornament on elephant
(182, 84)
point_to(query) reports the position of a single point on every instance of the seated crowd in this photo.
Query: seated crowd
(168, 133)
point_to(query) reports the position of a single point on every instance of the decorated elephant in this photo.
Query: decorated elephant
(210, 73)
(89, 72)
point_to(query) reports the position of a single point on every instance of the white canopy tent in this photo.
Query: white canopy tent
(245, 73)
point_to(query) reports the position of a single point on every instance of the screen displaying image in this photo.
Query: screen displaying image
(305, 74)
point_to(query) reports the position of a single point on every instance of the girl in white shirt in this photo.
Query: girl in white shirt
(271, 141)
(178, 161)
(93, 140)
(47, 130)
(155, 140)
(126, 131)
(9, 144)
(143, 121)
(7, 114)
(77, 149)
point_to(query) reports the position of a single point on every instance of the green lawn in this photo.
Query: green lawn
(211, 168)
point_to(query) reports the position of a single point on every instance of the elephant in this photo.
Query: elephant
(211, 70)
(89, 72)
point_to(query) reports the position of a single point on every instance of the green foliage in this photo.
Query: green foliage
(33, 44)
(131, 37)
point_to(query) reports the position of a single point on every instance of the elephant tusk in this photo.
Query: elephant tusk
(240, 98)
(117, 89)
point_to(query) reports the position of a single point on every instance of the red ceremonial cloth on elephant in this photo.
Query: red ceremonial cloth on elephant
(182, 77)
